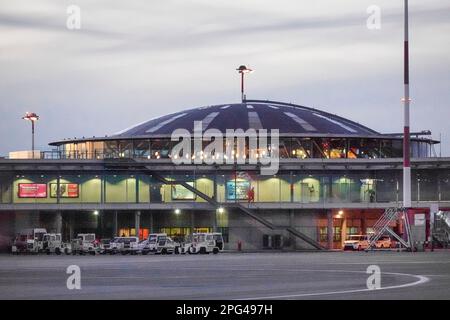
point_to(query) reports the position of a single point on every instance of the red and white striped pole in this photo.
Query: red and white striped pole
(406, 132)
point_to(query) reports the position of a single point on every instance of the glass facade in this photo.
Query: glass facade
(297, 148)
(315, 187)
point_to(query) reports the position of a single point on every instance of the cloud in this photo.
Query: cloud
(135, 60)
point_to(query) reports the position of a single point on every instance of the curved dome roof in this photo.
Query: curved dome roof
(289, 119)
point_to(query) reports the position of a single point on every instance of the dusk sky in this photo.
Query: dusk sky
(136, 59)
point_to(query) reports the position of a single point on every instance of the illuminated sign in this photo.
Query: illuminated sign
(32, 190)
(238, 189)
(66, 190)
(181, 193)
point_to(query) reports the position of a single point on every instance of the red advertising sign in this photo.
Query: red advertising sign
(32, 190)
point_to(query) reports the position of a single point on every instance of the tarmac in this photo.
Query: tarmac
(241, 276)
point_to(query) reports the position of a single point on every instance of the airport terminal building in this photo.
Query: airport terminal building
(335, 178)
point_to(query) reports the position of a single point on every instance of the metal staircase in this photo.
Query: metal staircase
(305, 238)
(255, 216)
(382, 227)
(441, 228)
(251, 213)
(185, 185)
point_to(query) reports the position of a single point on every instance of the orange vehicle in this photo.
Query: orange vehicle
(384, 242)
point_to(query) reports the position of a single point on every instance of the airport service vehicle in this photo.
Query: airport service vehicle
(105, 246)
(29, 241)
(219, 240)
(124, 245)
(129, 245)
(154, 239)
(201, 243)
(84, 243)
(357, 242)
(384, 242)
(143, 247)
(167, 246)
(52, 243)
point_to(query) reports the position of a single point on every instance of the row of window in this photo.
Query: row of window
(385, 186)
(337, 233)
(299, 148)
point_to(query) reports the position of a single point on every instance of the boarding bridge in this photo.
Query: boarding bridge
(441, 228)
(382, 227)
(251, 213)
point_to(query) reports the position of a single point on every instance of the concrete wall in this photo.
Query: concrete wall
(7, 229)
(251, 232)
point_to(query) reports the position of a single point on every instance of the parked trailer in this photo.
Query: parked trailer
(29, 241)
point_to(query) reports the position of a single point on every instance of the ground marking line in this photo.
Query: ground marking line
(422, 280)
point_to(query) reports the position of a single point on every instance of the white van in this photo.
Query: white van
(84, 243)
(124, 245)
(154, 239)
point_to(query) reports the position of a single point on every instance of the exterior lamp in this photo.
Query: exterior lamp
(242, 70)
(32, 117)
(177, 211)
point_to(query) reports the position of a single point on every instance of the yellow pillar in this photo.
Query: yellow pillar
(343, 230)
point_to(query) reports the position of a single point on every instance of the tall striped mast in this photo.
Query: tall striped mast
(406, 132)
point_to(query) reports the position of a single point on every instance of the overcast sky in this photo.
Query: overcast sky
(136, 59)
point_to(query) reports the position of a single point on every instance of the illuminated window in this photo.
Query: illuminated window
(323, 234)
(337, 234)
(352, 231)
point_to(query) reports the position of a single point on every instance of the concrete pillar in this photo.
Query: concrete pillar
(151, 222)
(343, 230)
(215, 221)
(114, 224)
(363, 222)
(330, 229)
(71, 225)
(292, 225)
(58, 222)
(137, 222)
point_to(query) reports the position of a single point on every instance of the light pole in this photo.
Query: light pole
(406, 131)
(33, 117)
(243, 70)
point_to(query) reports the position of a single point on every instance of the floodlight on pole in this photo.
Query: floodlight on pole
(32, 117)
(242, 70)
